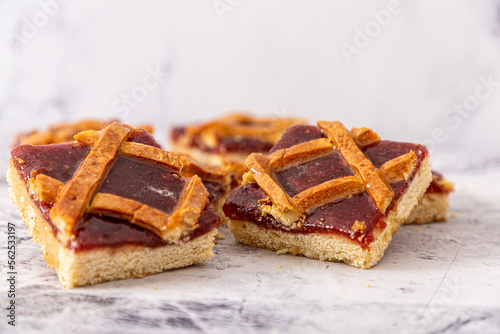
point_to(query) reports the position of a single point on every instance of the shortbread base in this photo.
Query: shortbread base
(331, 247)
(88, 267)
(431, 208)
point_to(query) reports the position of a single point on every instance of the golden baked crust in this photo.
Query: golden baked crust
(244, 125)
(94, 266)
(219, 180)
(57, 212)
(433, 206)
(191, 167)
(63, 132)
(206, 142)
(79, 195)
(332, 247)
(364, 136)
(76, 194)
(287, 210)
(86, 132)
(318, 196)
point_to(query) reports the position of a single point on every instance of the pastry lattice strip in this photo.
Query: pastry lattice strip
(239, 124)
(368, 178)
(136, 150)
(78, 196)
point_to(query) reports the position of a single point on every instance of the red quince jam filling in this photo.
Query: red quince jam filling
(215, 190)
(437, 186)
(149, 184)
(304, 176)
(230, 144)
(336, 217)
(243, 204)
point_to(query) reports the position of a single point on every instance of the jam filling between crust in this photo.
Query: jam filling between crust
(148, 184)
(229, 144)
(299, 178)
(436, 186)
(337, 217)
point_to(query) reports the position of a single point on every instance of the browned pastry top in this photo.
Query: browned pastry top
(63, 132)
(118, 172)
(326, 179)
(237, 132)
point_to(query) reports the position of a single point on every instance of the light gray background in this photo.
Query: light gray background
(279, 58)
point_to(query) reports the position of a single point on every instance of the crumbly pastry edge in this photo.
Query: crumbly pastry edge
(431, 208)
(331, 247)
(88, 267)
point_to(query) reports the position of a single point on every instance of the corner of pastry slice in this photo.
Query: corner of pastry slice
(111, 205)
(434, 205)
(229, 139)
(329, 194)
(63, 132)
(218, 180)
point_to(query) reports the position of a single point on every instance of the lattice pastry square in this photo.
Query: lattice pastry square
(63, 132)
(219, 181)
(349, 189)
(229, 138)
(110, 191)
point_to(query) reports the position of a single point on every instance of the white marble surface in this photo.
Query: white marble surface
(435, 278)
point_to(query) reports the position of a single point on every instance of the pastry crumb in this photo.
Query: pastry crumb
(264, 200)
(368, 285)
(358, 226)
(453, 214)
(154, 288)
(419, 229)
(281, 267)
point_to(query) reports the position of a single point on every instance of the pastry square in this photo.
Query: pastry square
(219, 181)
(63, 132)
(111, 205)
(230, 138)
(329, 194)
(434, 205)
